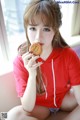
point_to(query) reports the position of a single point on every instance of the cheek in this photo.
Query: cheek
(49, 39)
(31, 36)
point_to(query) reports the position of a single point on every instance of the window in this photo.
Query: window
(12, 30)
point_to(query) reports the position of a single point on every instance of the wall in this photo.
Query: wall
(8, 95)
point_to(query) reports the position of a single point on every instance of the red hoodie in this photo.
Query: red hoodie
(61, 71)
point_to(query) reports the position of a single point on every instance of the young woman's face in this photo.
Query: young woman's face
(38, 32)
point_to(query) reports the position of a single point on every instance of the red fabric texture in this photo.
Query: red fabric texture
(67, 74)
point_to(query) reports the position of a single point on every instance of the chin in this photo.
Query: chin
(46, 46)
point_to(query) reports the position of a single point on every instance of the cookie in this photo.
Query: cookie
(35, 48)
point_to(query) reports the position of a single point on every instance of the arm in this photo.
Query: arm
(76, 90)
(29, 97)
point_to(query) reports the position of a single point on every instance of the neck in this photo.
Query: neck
(46, 52)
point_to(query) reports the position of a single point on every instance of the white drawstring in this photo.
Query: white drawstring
(45, 89)
(54, 81)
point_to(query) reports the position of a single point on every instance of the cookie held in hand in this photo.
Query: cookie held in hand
(35, 48)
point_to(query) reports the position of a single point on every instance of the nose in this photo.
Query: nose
(38, 36)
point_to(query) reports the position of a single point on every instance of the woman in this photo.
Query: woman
(43, 82)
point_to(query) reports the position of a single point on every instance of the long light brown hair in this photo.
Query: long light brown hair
(50, 14)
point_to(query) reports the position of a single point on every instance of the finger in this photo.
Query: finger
(27, 56)
(26, 59)
(32, 60)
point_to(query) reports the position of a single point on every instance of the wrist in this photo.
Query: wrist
(32, 75)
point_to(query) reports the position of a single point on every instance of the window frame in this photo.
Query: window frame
(3, 37)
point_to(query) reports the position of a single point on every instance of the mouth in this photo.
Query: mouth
(41, 43)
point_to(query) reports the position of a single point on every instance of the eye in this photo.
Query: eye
(32, 28)
(47, 29)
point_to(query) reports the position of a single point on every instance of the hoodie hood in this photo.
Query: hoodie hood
(54, 54)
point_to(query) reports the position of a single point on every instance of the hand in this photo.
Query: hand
(30, 63)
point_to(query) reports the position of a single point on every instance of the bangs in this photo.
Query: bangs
(41, 17)
(40, 11)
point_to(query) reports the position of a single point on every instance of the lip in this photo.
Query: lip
(41, 43)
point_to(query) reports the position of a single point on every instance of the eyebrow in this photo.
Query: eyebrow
(37, 25)
(33, 24)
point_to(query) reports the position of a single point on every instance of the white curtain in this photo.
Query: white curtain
(71, 19)
(75, 26)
